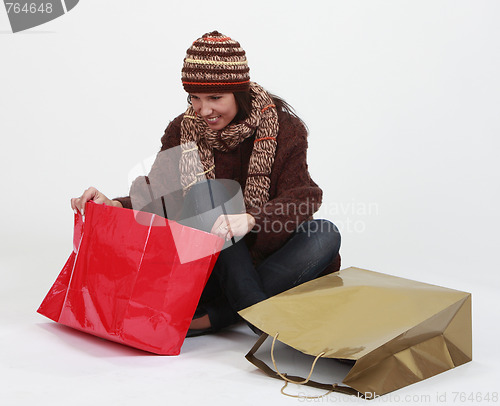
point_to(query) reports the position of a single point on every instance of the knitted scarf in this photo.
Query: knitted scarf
(198, 142)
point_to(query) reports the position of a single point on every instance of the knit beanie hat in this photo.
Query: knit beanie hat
(215, 63)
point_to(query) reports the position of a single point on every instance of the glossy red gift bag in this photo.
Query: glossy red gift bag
(133, 277)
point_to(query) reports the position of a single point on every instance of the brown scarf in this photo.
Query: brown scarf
(198, 142)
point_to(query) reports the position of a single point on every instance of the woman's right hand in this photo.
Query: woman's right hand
(78, 203)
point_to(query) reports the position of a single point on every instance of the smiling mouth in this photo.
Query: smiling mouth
(212, 119)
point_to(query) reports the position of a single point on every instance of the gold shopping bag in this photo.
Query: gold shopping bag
(396, 331)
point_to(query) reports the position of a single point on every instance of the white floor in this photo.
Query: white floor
(43, 363)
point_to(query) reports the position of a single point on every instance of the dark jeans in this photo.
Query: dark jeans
(235, 282)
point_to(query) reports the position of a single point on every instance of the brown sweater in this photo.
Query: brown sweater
(293, 196)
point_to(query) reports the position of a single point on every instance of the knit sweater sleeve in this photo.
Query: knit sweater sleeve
(159, 192)
(295, 198)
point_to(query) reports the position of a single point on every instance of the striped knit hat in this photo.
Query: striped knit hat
(215, 63)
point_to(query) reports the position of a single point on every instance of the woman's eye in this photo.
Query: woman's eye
(216, 97)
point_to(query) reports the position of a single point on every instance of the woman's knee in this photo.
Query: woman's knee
(324, 233)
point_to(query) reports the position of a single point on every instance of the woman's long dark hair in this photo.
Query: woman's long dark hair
(244, 101)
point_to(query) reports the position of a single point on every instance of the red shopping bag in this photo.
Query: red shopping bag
(134, 282)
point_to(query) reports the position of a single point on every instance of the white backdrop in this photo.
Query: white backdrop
(401, 98)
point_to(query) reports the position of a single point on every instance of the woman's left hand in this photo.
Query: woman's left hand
(233, 225)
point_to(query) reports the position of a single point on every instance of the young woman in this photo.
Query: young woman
(236, 130)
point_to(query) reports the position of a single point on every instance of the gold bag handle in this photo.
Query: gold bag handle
(293, 379)
(303, 382)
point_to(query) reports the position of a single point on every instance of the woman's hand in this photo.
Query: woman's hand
(78, 203)
(233, 225)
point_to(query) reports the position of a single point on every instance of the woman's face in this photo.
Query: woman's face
(217, 109)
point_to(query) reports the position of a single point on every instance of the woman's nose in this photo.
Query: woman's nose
(205, 109)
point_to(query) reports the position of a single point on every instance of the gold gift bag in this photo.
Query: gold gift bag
(396, 331)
